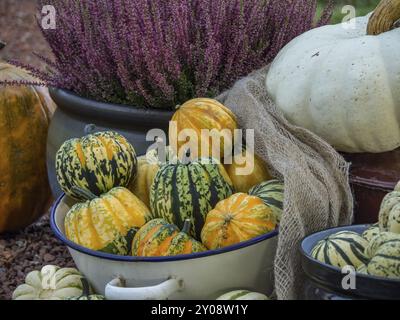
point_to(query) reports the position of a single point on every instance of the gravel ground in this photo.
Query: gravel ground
(29, 250)
(35, 246)
(19, 30)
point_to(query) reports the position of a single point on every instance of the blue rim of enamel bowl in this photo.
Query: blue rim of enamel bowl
(114, 257)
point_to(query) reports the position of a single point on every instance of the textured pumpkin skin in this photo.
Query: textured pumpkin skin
(272, 194)
(25, 113)
(238, 218)
(147, 168)
(341, 249)
(243, 183)
(107, 223)
(96, 162)
(158, 238)
(203, 113)
(243, 295)
(371, 232)
(141, 185)
(389, 214)
(50, 283)
(379, 240)
(189, 191)
(342, 85)
(386, 260)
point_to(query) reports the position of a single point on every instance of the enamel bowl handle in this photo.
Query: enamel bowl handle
(116, 290)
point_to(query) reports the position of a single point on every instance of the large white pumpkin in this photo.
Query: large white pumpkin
(343, 84)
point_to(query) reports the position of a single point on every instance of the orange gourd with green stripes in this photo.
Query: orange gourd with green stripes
(95, 163)
(159, 238)
(238, 218)
(198, 114)
(106, 223)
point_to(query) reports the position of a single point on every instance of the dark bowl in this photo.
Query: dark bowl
(329, 278)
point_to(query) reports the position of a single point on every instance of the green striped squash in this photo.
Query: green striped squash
(183, 191)
(271, 193)
(158, 238)
(243, 295)
(341, 249)
(362, 269)
(87, 293)
(371, 232)
(389, 214)
(386, 260)
(96, 163)
(107, 223)
(379, 240)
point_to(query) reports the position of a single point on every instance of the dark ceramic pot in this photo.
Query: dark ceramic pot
(324, 282)
(77, 116)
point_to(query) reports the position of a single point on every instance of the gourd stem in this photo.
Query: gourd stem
(384, 17)
(86, 194)
(187, 225)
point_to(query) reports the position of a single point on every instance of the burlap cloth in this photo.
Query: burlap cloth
(316, 177)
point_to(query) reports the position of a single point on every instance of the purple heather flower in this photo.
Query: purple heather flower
(158, 54)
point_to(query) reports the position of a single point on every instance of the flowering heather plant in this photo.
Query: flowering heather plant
(158, 54)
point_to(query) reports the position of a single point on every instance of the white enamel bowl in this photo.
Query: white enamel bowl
(206, 275)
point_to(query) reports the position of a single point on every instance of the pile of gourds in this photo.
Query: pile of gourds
(376, 252)
(140, 206)
(55, 283)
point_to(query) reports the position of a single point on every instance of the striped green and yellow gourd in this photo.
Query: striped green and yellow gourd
(271, 193)
(107, 223)
(95, 163)
(345, 248)
(386, 260)
(243, 295)
(183, 191)
(389, 214)
(371, 232)
(159, 238)
(238, 218)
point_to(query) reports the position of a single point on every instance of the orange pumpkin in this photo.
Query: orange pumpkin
(244, 182)
(238, 218)
(199, 114)
(24, 118)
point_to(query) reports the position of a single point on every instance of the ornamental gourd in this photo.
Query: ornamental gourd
(190, 190)
(158, 238)
(376, 242)
(272, 194)
(239, 218)
(243, 295)
(345, 248)
(243, 180)
(86, 293)
(96, 163)
(141, 185)
(389, 214)
(371, 232)
(385, 261)
(147, 168)
(342, 83)
(25, 113)
(107, 223)
(196, 115)
(50, 283)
